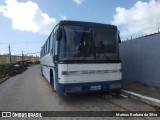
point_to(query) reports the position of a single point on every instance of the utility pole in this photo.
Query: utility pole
(22, 55)
(10, 55)
(22, 59)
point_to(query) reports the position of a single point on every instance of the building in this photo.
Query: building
(5, 59)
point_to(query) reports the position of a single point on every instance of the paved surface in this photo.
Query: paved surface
(29, 91)
(143, 89)
(3, 79)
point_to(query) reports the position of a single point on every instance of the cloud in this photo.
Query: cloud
(64, 17)
(142, 18)
(78, 2)
(27, 16)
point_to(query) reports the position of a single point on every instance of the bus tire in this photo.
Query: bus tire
(118, 92)
(42, 71)
(52, 79)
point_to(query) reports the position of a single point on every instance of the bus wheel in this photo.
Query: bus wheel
(118, 92)
(52, 79)
(42, 71)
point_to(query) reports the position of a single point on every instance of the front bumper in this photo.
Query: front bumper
(82, 88)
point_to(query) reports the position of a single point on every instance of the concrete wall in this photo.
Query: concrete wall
(141, 59)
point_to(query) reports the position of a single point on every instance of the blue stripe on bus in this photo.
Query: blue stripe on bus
(85, 87)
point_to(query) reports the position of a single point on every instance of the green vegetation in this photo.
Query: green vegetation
(5, 70)
(11, 69)
(37, 62)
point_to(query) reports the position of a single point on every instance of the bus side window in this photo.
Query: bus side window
(49, 44)
(55, 47)
(44, 49)
(55, 44)
(51, 41)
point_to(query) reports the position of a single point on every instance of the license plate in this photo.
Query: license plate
(98, 87)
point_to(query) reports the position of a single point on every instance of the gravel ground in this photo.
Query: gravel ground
(29, 91)
(150, 91)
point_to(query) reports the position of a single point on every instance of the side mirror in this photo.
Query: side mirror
(56, 57)
(59, 34)
(119, 39)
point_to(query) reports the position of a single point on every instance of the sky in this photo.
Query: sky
(26, 24)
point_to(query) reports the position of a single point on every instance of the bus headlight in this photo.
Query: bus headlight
(115, 86)
(72, 89)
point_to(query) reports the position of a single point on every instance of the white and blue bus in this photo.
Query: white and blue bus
(82, 57)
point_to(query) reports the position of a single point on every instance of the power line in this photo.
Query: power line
(22, 52)
(24, 48)
(33, 53)
(26, 53)
(21, 42)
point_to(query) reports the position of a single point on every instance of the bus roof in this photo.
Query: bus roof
(68, 22)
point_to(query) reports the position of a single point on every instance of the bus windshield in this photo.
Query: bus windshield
(88, 43)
